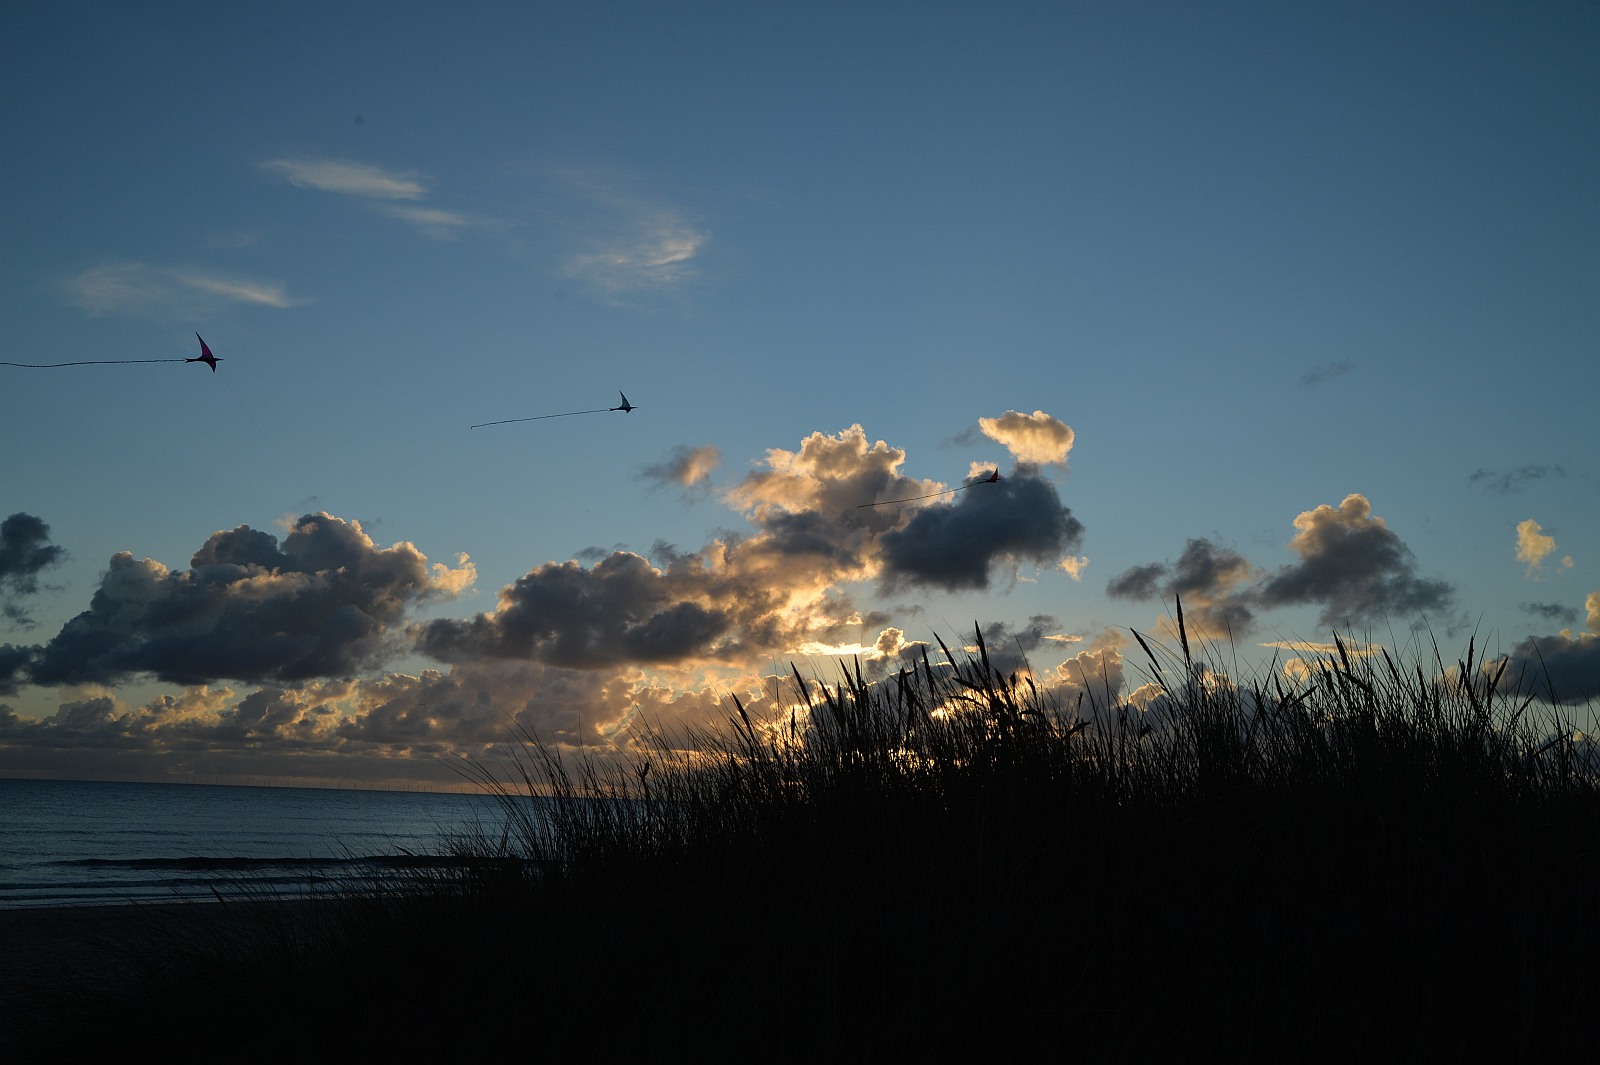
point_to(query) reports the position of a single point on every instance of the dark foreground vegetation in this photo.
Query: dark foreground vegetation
(1385, 861)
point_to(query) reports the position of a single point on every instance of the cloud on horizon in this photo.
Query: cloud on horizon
(324, 604)
(281, 647)
(572, 650)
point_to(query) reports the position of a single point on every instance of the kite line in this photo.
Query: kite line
(205, 356)
(86, 362)
(624, 408)
(993, 478)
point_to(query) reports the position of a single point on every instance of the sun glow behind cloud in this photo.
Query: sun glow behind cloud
(288, 643)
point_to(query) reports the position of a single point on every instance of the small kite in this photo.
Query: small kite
(993, 478)
(205, 356)
(624, 408)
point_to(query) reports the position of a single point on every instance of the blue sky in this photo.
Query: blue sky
(1224, 265)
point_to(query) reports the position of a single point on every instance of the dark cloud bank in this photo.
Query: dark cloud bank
(577, 653)
(322, 604)
(25, 552)
(1351, 564)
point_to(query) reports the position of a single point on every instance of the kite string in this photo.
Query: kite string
(88, 362)
(541, 417)
(948, 491)
(930, 495)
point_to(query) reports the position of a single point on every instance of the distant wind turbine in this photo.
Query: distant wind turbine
(205, 356)
(993, 478)
(625, 408)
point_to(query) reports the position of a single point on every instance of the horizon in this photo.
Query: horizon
(1288, 313)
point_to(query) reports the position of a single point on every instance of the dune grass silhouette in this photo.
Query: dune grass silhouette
(1379, 857)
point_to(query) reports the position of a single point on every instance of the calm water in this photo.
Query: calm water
(74, 842)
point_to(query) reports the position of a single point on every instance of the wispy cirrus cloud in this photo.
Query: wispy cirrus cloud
(627, 240)
(395, 193)
(132, 287)
(351, 178)
(657, 255)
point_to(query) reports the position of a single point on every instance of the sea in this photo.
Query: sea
(99, 843)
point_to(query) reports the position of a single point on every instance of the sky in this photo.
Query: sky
(1285, 311)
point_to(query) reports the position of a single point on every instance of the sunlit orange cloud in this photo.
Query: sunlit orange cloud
(684, 466)
(1074, 565)
(831, 474)
(1534, 546)
(1034, 438)
(1092, 678)
(579, 655)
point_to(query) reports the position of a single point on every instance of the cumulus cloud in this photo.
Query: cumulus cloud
(829, 474)
(1502, 482)
(1534, 546)
(774, 590)
(1093, 679)
(955, 547)
(684, 466)
(130, 287)
(323, 604)
(14, 663)
(574, 651)
(25, 552)
(621, 610)
(1565, 667)
(1036, 439)
(1355, 566)
(1350, 563)
(1214, 583)
(766, 591)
